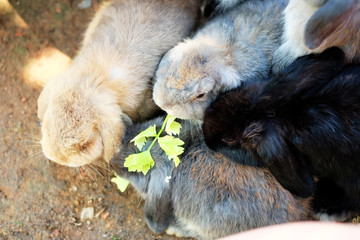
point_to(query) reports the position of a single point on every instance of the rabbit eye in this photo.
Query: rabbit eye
(270, 114)
(229, 141)
(200, 95)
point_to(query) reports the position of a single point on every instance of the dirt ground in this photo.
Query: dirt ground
(40, 199)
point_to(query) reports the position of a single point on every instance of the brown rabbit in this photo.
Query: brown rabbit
(110, 77)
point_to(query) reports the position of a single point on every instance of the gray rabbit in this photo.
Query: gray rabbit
(206, 196)
(311, 26)
(234, 46)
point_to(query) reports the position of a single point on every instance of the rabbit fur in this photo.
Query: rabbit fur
(110, 77)
(218, 6)
(234, 46)
(311, 26)
(207, 196)
(302, 122)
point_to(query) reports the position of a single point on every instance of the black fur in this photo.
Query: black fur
(303, 122)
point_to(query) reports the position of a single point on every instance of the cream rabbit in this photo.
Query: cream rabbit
(110, 77)
(232, 47)
(311, 26)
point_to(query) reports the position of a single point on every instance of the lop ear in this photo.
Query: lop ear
(286, 166)
(158, 208)
(291, 173)
(301, 79)
(43, 102)
(327, 20)
(158, 212)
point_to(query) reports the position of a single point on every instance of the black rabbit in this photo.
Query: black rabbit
(303, 122)
(206, 196)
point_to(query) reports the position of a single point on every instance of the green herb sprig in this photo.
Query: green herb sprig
(143, 161)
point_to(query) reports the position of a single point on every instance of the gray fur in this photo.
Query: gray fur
(223, 5)
(208, 196)
(234, 46)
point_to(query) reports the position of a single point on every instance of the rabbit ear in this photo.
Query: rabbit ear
(43, 102)
(288, 168)
(327, 20)
(301, 79)
(293, 175)
(158, 210)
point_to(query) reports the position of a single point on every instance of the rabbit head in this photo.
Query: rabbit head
(335, 23)
(311, 26)
(257, 116)
(190, 75)
(79, 123)
(241, 113)
(153, 186)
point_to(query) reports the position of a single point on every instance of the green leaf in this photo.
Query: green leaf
(120, 182)
(172, 127)
(176, 161)
(171, 146)
(141, 162)
(140, 139)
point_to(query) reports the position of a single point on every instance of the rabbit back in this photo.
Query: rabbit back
(218, 197)
(334, 120)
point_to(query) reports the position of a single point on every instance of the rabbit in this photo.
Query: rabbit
(301, 123)
(206, 196)
(111, 76)
(232, 47)
(311, 26)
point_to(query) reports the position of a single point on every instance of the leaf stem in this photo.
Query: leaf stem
(159, 133)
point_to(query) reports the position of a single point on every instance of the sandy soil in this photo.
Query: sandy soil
(40, 199)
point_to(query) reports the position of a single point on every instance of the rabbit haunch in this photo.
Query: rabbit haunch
(234, 46)
(208, 196)
(110, 77)
(311, 26)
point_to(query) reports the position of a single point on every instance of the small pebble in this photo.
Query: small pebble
(106, 215)
(56, 232)
(84, 4)
(87, 213)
